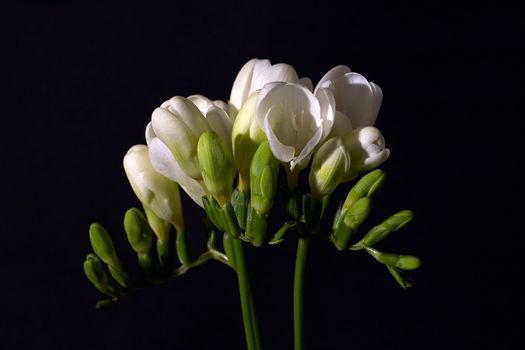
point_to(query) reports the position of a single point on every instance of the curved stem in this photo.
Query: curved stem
(251, 333)
(298, 285)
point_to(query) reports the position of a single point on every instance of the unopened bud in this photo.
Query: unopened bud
(349, 223)
(216, 163)
(380, 232)
(140, 235)
(264, 170)
(365, 187)
(403, 262)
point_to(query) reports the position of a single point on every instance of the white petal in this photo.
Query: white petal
(150, 133)
(242, 83)
(332, 74)
(260, 106)
(164, 162)
(342, 125)
(220, 123)
(278, 72)
(327, 104)
(357, 99)
(306, 82)
(201, 102)
(188, 114)
(302, 159)
(281, 151)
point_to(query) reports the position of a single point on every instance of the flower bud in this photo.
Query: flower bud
(246, 137)
(403, 262)
(264, 170)
(349, 223)
(330, 164)
(380, 232)
(216, 164)
(365, 187)
(156, 192)
(139, 233)
(97, 274)
(367, 150)
(103, 247)
(102, 244)
(178, 123)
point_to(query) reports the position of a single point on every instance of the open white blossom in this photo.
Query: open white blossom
(357, 101)
(291, 117)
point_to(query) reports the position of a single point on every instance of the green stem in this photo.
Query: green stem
(251, 333)
(298, 286)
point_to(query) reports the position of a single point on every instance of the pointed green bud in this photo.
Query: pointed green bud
(264, 171)
(330, 164)
(349, 223)
(365, 187)
(380, 232)
(246, 138)
(278, 238)
(95, 270)
(97, 274)
(403, 262)
(216, 163)
(140, 235)
(106, 303)
(102, 244)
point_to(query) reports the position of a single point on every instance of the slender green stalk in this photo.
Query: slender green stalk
(298, 286)
(251, 333)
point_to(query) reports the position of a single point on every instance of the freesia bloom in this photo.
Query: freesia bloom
(292, 118)
(357, 101)
(156, 192)
(367, 150)
(255, 74)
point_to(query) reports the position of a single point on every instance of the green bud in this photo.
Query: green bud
(349, 223)
(264, 171)
(365, 187)
(256, 227)
(97, 274)
(380, 232)
(211, 212)
(95, 270)
(217, 167)
(106, 303)
(330, 164)
(102, 244)
(403, 262)
(140, 235)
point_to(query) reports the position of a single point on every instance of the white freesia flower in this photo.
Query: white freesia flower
(292, 118)
(178, 123)
(367, 150)
(158, 193)
(330, 165)
(357, 101)
(255, 74)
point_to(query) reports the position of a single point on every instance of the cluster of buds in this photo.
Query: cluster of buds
(226, 157)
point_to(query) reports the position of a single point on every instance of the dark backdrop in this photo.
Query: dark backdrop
(81, 80)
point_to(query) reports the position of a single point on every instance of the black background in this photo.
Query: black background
(81, 80)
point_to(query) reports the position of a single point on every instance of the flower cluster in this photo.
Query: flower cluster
(333, 123)
(227, 156)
